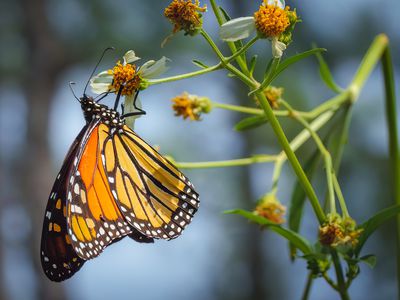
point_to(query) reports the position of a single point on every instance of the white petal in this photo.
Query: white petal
(130, 57)
(277, 48)
(99, 88)
(129, 107)
(152, 69)
(279, 3)
(237, 29)
(101, 82)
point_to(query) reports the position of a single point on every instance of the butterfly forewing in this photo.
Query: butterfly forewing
(154, 197)
(58, 258)
(94, 219)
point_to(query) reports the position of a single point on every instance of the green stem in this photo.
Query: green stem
(307, 288)
(292, 157)
(367, 65)
(339, 194)
(341, 284)
(329, 281)
(276, 175)
(324, 152)
(227, 163)
(241, 62)
(205, 70)
(228, 66)
(242, 109)
(391, 115)
(269, 76)
(257, 111)
(243, 49)
(333, 103)
(185, 76)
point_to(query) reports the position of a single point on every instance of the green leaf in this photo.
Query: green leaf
(253, 62)
(370, 260)
(373, 223)
(199, 64)
(251, 122)
(301, 243)
(295, 58)
(326, 74)
(226, 16)
(299, 197)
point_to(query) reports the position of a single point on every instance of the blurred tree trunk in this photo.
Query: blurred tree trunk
(47, 60)
(251, 248)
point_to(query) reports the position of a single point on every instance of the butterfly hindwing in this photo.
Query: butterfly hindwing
(153, 196)
(58, 258)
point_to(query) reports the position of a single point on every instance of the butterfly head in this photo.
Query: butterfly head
(92, 110)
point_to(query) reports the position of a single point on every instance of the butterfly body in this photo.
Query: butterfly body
(112, 184)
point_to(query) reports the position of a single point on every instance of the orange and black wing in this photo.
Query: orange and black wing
(58, 258)
(153, 195)
(93, 217)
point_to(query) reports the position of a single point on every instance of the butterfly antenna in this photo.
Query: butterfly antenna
(94, 70)
(72, 90)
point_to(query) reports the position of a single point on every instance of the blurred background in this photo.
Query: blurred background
(47, 43)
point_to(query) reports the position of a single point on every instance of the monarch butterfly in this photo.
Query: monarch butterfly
(112, 184)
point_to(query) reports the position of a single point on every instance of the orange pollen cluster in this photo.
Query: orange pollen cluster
(271, 20)
(185, 106)
(125, 75)
(273, 211)
(330, 233)
(184, 15)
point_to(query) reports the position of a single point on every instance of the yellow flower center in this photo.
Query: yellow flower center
(184, 14)
(271, 20)
(124, 75)
(186, 106)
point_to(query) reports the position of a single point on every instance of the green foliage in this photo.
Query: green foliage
(251, 123)
(374, 223)
(326, 74)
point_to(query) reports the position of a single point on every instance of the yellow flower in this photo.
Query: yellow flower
(270, 208)
(271, 20)
(124, 75)
(185, 15)
(273, 95)
(128, 74)
(190, 106)
(339, 233)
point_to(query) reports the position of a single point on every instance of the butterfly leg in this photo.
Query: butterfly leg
(136, 113)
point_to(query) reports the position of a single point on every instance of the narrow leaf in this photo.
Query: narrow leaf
(199, 64)
(370, 260)
(326, 74)
(253, 62)
(301, 243)
(373, 223)
(295, 58)
(251, 122)
(226, 16)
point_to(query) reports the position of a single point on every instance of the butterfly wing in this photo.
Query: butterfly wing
(58, 258)
(94, 219)
(153, 196)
